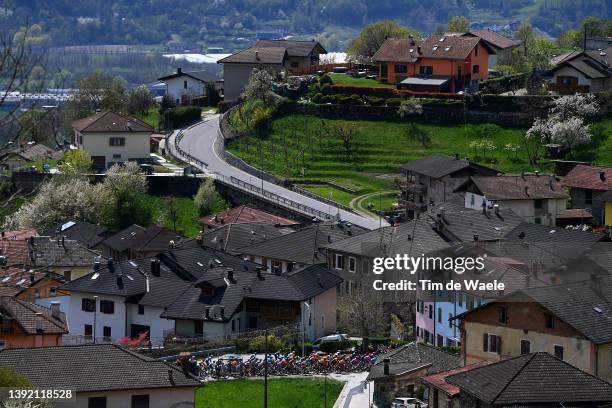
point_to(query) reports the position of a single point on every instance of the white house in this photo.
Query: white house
(112, 138)
(581, 71)
(183, 86)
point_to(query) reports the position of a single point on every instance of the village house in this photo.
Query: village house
(64, 257)
(585, 183)
(440, 394)
(243, 214)
(276, 56)
(112, 138)
(568, 320)
(397, 374)
(605, 200)
(581, 71)
(88, 235)
(184, 87)
(15, 157)
(448, 63)
(104, 376)
(232, 237)
(501, 44)
(25, 324)
(533, 380)
(433, 179)
(533, 197)
(139, 242)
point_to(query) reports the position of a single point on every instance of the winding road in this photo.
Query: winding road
(199, 142)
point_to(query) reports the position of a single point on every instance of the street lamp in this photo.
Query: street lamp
(95, 313)
(304, 329)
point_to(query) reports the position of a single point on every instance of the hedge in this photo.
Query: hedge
(502, 84)
(182, 115)
(333, 346)
(383, 92)
(258, 344)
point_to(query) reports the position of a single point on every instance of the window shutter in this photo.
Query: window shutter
(499, 341)
(485, 342)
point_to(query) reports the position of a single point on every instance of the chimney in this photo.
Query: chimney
(257, 55)
(63, 242)
(155, 267)
(602, 175)
(484, 207)
(222, 311)
(476, 237)
(199, 239)
(318, 279)
(110, 265)
(96, 265)
(222, 220)
(527, 190)
(179, 70)
(32, 276)
(409, 237)
(230, 275)
(329, 238)
(207, 313)
(418, 49)
(39, 322)
(537, 173)
(120, 280)
(55, 309)
(171, 371)
(259, 275)
(496, 208)
(386, 366)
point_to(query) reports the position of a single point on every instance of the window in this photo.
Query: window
(439, 315)
(426, 70)
(116, 141)
(537, 204)
(352, 264)
(419, 305)
(366, 267)
(426, 336)
(338, 261)
(401, 69)
(277, 266)
(233, 325)
(140, 401)
(184, 84)
(549, 321)
(472, 199)
(116, 156)
(430, 311)
(503, 315)
(450, 322)
(476, 69)
(199, 327)
(469, 302)
(460, 299)
(107, 306)
(106, 332)
(491, 343)
(53, 291)
(322, 322)
(140, 309)
(347, 287)
(588, 197)
(88, 330)
(252, 322)
(88, 305)
(440, 340)
(96, 402)
(559, 351)
(525, 347)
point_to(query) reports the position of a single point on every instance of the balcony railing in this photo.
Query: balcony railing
(413, 187)
(568, 89)
(278, 312)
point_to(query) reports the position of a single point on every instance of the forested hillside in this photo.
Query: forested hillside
(218, 22)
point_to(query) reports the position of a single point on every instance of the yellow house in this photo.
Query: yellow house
(569, 321)
(606, 199)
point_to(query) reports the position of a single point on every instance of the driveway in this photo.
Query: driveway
(199, 141)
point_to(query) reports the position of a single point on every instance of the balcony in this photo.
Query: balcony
(278, 312)
(563, 89)
(413, 187)
(411, 205)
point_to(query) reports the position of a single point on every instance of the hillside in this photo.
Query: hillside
(230, 23)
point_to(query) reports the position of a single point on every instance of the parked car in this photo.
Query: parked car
(331, 337)
(146, 168)
(408, 403)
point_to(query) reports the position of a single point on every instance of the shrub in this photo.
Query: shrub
(258, 344)
(317, 98)
(307, 348)
(182, 115)
(375, 101)
(325, 79)
(394, 101)
(451, 349)
(333, 346)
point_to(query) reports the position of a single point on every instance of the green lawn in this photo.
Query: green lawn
(330, 192)
(151, 117)
(343, 79)
(383, 201)
(282, 393)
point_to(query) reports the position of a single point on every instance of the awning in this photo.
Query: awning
(425, 81)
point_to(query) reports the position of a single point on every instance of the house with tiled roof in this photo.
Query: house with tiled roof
(433, 179)
(585, 184)
(25, 324)
(581, 71)
(532, 381)
(139, 242)
(275, 56)
(446, 63)
(14, 157)
(65, 257)
(501, 44)
(536, 198)
(183, 86)
(570, 321)
(231, 237)
(440, 393)
(87, 234)
(103, 376)
(396, 374)
(112, 138)
(243, 214)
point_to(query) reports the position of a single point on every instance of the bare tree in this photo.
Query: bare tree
(346, 132)
(362, 312)
(172, 212)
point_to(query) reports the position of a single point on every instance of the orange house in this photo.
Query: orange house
(24, 324)
(437, 64)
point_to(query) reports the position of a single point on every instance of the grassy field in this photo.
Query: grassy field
(282, 393)
(343, 79)
(151, 117)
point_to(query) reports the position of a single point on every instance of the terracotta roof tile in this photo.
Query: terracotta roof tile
(438, 47)
(496, 39)
(111, 122)
(243, 214)
(519, 187)
(589, 177)
(439, 380)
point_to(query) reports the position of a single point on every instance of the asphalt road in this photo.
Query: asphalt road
(198, 141)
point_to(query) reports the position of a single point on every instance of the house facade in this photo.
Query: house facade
(581, 71)
(437, 64)
(501, 44)
(112, 138)
(183, 86)
(585, 184)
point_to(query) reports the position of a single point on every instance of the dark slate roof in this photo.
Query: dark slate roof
(294, 48)
(243, 214)
(390, 241)
(230, 237)
(519, 187)
(493, 38)
(137, 238)
(439, 165)
(203, 76)
(89, 235)
(537, 378)
(607, 196)
(460, 223)
(543, 233)
(111, 122)
(24, 313)
(589, 177)
(302, 246)
(412, 357)
(257, 55)
(48, 252)
(295, 286)
(93, 367)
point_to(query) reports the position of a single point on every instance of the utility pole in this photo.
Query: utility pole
(266, 369)
(95, 313)
(325, 400)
